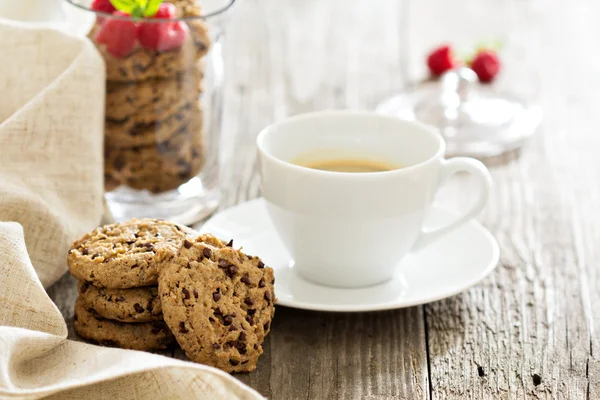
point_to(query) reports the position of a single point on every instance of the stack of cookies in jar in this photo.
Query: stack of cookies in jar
(150, 284)
(154, 138)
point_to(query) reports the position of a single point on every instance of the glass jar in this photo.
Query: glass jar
(164, 104)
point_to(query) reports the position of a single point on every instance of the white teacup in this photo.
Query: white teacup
(351, 229)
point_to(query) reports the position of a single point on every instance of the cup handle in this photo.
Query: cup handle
(449, 168)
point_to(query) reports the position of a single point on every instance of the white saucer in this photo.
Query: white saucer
(447, 267)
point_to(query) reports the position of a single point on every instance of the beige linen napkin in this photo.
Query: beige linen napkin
(51, 113)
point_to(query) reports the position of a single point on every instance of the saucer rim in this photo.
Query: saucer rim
(495, 258)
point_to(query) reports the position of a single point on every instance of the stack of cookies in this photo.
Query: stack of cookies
(154, 137)
(147, 284)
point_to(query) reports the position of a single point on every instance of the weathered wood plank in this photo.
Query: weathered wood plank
(528, 332)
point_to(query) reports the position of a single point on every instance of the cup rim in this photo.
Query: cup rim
(433, 132)
(103, 14)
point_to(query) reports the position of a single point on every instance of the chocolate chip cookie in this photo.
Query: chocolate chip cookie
(161, 132)
(219, 303)
(143, 336)
(164, 180)
(125, 305)
(153, 99)
(128, 254)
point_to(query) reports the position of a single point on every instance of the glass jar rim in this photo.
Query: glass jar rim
(104, 14)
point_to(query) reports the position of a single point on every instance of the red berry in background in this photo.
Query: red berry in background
(118, 35)
(441, 60)
(486, 65)
(163, 36)
(104, 6)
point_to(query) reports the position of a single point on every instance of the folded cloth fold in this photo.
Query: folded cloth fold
(51, 141)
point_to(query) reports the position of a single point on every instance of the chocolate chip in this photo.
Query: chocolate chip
(195, 293)
(227, 320)
(119, 299)
(96, 255)
(186, 293)
(230, 244)
(216, 295)
(211, 319)
(232, 270)
(261, 264)
(233, 328)
(234, 343)
(242, 350)
(134, 266)
(268, 296)
(187, 244)
(110, 343)
(216, 346)
(150, 306)
(223, 263)
(249, 301)
(218, 312)
(119, 163)
(130, 242)
(251, 311)
(206, 252)
(84, 287)
(242, 336)
(138, 308)
(71, 251)
(85, 251)
(246, 279)
(233, 362)
(261, 283)
(250, 319)
(182, 328)
(149, 246)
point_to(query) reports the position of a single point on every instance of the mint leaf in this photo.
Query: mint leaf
(126, 6)
(152, 7)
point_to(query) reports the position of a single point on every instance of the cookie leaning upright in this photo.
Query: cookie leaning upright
(128, 254)
(218, 302)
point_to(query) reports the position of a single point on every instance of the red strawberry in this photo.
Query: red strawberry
(163, 36)
(166, 10)
(104, 6)
(441, 60)
(118, 35)
(486, 65)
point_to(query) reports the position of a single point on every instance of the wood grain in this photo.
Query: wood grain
(528, 331)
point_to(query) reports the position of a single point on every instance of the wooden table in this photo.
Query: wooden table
(527, 331)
